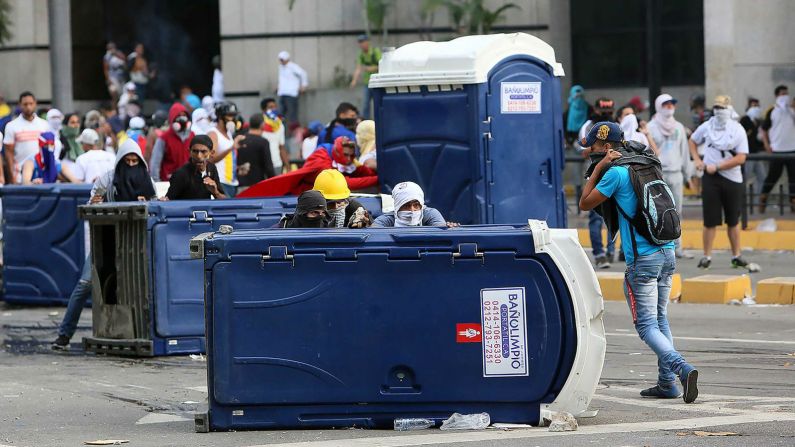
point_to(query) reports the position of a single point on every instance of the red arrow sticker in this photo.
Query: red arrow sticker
(468, 333)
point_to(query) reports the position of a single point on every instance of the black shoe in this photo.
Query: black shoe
(659, 392)
(61, 343)
(704, 263)
(689, 379)
(602, 262)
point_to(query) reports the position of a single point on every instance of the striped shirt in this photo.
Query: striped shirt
(24, 135)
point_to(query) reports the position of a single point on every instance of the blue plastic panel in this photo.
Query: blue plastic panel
(177, 288)
(359, 327)
(43, 242)
(475, 163)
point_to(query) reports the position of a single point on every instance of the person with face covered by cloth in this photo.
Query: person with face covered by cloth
(603, 111)
(410, 209)
(616, 166)
(225, 146)
(341, 157)
(342, 209)
(172, 149)
(310, 212)
(343, 125)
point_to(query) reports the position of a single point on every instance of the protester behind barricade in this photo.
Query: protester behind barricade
(670, 137)
(310, 212)
(293, 82)
(21, 138)
(410, 209)
(346, 117)
(171, 150)
(127, 181)
(577, 113)
(751, 122)
(602, 111)
(725, 149)
(650, 266)
(225, 146)
(43, 167)
(201, 122)
(342, 209)
(218, 81)
(273, 130)
(70, 131)
(366, 66)
(365, 139)
(254, 156)
(310, 139)
(95, 161)
(779, 138)
(113, 66)
(198, 178)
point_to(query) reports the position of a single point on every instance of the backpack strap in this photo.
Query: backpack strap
(631, 231)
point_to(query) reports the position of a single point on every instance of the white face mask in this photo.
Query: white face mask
(666, 112)
(783, 101)
(408, 218)
(723, 115)
(55, 123)
(230, 127)
(755, 113)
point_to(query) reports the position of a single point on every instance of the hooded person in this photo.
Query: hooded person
(410, 209)
(342, 209)
(129, 181)
(201, 121)
(365, 138)
(578, 111)
(310, 212)
(341, 156)
(172, 149)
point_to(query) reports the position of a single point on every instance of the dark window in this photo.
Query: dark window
(609, 42)
(180, 38)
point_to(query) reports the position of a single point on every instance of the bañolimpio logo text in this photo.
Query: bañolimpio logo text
(504, 332)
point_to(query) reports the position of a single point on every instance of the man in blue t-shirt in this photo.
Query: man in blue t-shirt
(650, 267)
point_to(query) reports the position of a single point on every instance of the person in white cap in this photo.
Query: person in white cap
(671, 139)
(293, 81)
(95, 161)
(410, 209)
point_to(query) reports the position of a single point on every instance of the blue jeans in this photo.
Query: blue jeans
(80, 294)
(647, 287)
(368, 97)
(595, 223)
(288, 106)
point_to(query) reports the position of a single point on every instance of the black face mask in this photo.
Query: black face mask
(595, 158)
(350, 123)
(302, 221)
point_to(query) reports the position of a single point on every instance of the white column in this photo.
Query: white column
(60, 54)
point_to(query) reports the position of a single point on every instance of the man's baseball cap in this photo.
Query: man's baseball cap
(604, 103)
(284, 56)
(603, 131)
(722, 101)
(362, 38)
(665, 97)
(89, 136)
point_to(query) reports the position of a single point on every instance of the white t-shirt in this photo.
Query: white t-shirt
(275, 141)
(308, 146)
(92, 164)
(782, 129)
(24, 135)
(718, 143)
(227, 166)
(291, 78)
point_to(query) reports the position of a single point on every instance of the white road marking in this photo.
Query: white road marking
(484, 436)
(722, 397)
(720, 340)
(159, 418)
(699, 407)
(201, 389)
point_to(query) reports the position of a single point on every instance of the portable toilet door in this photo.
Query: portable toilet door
(477, 122)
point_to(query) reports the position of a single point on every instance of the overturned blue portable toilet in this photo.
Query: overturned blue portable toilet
(148, 292)
(43, 242)
(477, 123)
(342, 328)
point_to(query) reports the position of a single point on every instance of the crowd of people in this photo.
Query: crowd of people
(708, 156)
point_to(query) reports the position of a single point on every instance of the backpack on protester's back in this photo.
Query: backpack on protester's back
(656, 217)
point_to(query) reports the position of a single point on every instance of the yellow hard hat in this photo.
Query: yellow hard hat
(331, 183)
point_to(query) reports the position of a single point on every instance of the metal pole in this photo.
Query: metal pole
(59, 19)
(653, 51)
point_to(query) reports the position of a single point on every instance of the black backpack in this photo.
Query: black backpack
(656, 218)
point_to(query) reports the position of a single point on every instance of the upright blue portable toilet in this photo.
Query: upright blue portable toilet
(477, 122)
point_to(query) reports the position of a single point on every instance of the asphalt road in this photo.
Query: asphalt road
(746, 355)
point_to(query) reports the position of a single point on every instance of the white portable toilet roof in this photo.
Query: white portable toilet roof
(465, 60)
